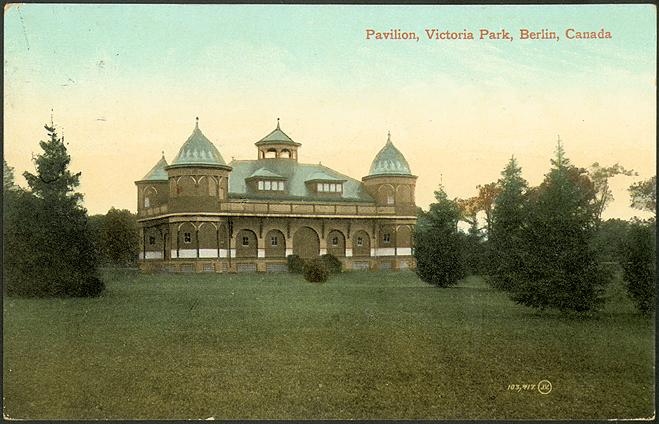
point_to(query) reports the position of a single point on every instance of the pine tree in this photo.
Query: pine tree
(560, 269)
(505, 246)
(438, 245)
(48, 248)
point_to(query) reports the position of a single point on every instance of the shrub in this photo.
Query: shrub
(316, 271)
(295, 264)
(332, 263)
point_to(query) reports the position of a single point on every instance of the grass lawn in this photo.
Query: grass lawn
(363, 345)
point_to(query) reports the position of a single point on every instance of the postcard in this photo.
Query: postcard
(295, 211)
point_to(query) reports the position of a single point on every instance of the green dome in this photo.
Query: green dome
(389, 161)
(198, 150)
(157, 173)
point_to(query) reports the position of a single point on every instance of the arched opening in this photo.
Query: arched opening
(271, 154)
(361, 244)
(246, 246)
(187, 240)
(285, 153)
(153, 243)
(207, 240)
(386, 195)
(275, 244)
(306, 243)
(404, 194)
(387, 239)
(336, 244)
(186, 186)
(150, 197)
(404, 236)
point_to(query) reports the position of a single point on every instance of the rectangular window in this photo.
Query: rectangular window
(152, 240)
(386, 237)
(333, 188)
(339, 187)
(320, 187)
(245, 241)
(274, 241)
(390, 200)
(281, 186)
(260, 185)
(267, 185)
(187, 238)
(326, 187)
(360, 241)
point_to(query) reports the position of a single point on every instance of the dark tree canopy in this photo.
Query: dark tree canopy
(438, 245)
(644, 195)
(640, 264)
(48, 250)
(505, 240)
(560, 268)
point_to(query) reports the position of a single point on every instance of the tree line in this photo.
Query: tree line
(52, 248)
(546, 246)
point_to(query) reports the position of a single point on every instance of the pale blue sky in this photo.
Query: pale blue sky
(240, 66)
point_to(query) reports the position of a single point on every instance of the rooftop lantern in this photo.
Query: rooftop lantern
(277, 145)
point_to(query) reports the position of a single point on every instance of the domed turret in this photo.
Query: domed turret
(198, 176)
(158, 172)
(390, 181)
(389, 161)
(198, 151)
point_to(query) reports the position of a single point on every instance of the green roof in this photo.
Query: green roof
(322, 176)
(277, 136)
(198, 150)
(296, 174)
(265, 173)
(389, 161)
(157, 173)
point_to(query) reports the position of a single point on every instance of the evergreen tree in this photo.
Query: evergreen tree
(48, 248)
(505, 245)
(438, 245)
(7, 177)
(559, 264)
(640, 264)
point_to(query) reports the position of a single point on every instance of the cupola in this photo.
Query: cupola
(277, 145)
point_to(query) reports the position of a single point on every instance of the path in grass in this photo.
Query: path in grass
(363, 345)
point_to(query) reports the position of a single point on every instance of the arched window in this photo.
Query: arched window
(270, 154)
(286, 154)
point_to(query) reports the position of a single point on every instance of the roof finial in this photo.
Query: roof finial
(163, 153)
(196, 125)
(388, 136)
(277, 123)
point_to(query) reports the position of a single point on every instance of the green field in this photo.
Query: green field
(363, 345)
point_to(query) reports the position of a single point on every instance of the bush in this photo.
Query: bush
(295, 264)
(332, 263)
(316, 271)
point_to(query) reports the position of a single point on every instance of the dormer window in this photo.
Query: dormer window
(271, 185)
(329, 187)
